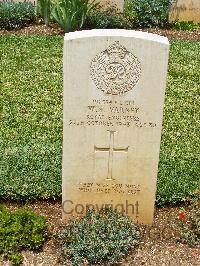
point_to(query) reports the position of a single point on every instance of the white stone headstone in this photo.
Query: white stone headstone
(114, 87)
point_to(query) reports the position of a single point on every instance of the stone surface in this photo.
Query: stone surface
(118, 4)
(114, 86)
(185, 10)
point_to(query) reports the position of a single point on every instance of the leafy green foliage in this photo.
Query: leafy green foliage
(185, 25)
(99, 237)
(16, 15)
(190, 226)
(21, 229)
(106, 19)
(44, 10)
(150, 13)
(71, 14)
(31, 120)
(128, 10)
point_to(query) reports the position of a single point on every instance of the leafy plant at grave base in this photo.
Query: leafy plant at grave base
(151, 13)
(20, 229)
(16, 15)
(44, 10)
(185, 25)
(189, 223)
(72, 14)
(99, 237)
(106, 19)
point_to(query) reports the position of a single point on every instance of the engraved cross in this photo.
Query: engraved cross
(111, 150)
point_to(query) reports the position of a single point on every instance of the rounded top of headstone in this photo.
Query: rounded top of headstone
(117, 33)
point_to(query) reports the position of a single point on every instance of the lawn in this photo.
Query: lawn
(31, 120)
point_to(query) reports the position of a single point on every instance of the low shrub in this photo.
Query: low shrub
(189, 222)
(19, 230)
(185, 25)
(107, 19)
(16, 15)
(78, 14)
(150, 13)
(99, 237)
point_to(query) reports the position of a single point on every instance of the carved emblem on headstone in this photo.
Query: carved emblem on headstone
(116, 70)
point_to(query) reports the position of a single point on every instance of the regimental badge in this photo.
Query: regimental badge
(115, 71)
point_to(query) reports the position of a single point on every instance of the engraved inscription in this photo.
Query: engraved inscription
(115, 71)
(116, 188)
(111, 150)
(112, 113)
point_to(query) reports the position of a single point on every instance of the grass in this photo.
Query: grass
(31, 120)
(31, 113)
(179, 161)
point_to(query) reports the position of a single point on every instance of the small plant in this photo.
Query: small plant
(99, 237)
(107, 19)
(19, 230)
(44, 10)
(128, 10)
(185, 25)
(190, 226)
(151, 13)
(16, 15)
(71, 14)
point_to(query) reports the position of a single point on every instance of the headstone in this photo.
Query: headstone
(117, 4)
(185, 10)
(114, 87)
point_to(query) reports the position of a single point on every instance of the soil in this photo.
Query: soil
(54, 29)
(159, 244)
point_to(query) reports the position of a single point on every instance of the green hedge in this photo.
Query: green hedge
(148, 13)
(15, 15)
(107, 19)
(31, 120)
